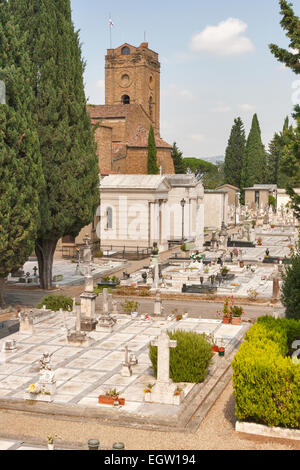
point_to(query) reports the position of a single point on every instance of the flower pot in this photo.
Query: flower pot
(226, 320)
(236, 320)
(221, 352)
(215, 348)
(50, 446)
(134, 314)
(121, 401)
(242, 264)
(104, 400)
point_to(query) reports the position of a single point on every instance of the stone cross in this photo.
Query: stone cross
(126, 366)
(163, 344)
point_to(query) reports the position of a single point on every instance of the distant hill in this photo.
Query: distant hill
(214, 160)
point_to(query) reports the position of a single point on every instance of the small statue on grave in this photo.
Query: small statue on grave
(46, 373)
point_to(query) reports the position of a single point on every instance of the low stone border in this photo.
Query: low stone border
(261, 430)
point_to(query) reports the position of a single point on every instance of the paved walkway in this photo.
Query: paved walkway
(216, 432)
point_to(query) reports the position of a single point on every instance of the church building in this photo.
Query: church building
(132, 104)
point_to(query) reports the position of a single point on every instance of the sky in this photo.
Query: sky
(215, 63)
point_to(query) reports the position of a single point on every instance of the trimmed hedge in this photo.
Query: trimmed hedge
(190, 360)
(266, 383)
(56, 302)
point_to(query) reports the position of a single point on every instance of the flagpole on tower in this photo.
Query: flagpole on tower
(110, 28)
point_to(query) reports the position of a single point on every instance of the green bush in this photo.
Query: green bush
(56, 302)
(267, 384)
(190, 360)
(291, 286)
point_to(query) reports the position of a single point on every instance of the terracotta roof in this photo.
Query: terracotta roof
(110, 110)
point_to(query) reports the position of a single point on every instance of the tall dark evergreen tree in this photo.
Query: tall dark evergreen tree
(152, 154)
(20, 162)
(178, 160)
(275, 173)
(235, 153)
(254, 163)
(290, 23)
(291, 58)
(70, 164)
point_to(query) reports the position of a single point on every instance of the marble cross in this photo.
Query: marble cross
(163, 344)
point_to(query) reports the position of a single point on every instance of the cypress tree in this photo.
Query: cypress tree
(178, 160)
(20, 162)
(70, 164)
(235, 154)
(290, 164)
(152, 152)
(254, 163)
(273, 160)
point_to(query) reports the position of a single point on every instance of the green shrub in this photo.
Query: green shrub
(190, 360)
(291, 286)
(267, 384)
(56, 302)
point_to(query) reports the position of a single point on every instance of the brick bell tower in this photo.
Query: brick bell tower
(132, 76)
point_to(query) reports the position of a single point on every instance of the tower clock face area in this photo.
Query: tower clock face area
(125, 80)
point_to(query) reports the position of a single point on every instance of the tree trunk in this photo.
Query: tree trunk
(2, 282)
(44, 250)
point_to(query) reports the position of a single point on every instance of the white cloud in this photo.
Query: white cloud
(224, 39)
(175, 90)
(197, 137)
(100, 84)
(221, 108)
(246, 107)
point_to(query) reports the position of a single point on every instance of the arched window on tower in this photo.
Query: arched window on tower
(125, 99)
(125, 50)
(150, 106)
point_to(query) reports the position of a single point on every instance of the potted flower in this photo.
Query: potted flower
(34, 390)
(237, 313)
(148, 388)
(221, 351)
(214, 345)
(224, 271)
(50, 441)
(252, 294)
(226, 312)
(259, 242)
(131, 308)
(110, 397)
(179, 317)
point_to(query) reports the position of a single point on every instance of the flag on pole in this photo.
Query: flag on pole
(111, 24)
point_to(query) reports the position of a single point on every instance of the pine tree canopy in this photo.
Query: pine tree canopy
(290, 23)
(290, 163)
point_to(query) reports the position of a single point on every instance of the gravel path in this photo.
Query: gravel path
(216, 432)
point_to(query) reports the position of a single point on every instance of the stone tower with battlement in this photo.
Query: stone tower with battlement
(132, 76)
